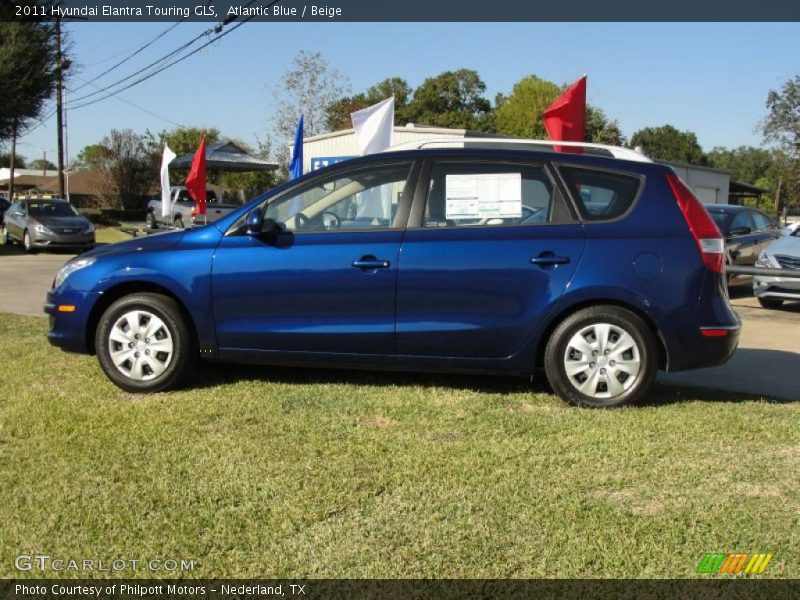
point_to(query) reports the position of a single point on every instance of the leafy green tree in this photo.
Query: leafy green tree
(27, 72)
(745, 163)
(5, 160)
(92, 156)
(185, 140)
(127, 167)
(782, 127)
(520, 113)
(667, 143)
(452, 99)
(41, 164)
(339, 112)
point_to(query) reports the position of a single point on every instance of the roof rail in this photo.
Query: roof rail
(510, 143)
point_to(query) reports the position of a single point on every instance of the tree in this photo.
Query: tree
(520, 113)
(339, 112)
(127, 167)
(308, 88)
(452, 99)
(744, 163)
(27, 72)
(40, 164)
(92, 156)
(782, 127)
(667, 143)
(5, 160)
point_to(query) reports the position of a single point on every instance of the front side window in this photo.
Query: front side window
(364, 199)
(486, 194)
(763, 222)
(601, 195)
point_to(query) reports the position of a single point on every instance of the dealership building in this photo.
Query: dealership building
(712, 186)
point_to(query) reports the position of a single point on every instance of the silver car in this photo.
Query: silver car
(39, 224)
(783, 253)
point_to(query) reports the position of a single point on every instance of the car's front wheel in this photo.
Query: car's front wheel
(6, 236)
(152, 223)
(601, 357)
(770, 302)
(144, 343)
(26, 242)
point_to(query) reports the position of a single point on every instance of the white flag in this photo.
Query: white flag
(168, 157)
(374, 126)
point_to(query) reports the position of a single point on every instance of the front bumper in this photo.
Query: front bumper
(786, 288)
(69, 316)
(49, 239)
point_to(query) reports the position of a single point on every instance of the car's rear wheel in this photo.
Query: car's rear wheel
(179, 223)
(770, 302)
(144, 343)
(151, 221)
(601, 357)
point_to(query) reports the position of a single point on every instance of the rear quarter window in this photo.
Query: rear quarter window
(600, 195)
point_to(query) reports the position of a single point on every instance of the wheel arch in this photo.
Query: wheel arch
(127, 288)
(564, 313)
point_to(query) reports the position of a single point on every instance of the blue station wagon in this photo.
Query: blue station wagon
(591, 263)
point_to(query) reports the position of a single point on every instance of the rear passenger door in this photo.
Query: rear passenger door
(490, 246)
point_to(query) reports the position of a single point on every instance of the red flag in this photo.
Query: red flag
(565, 118)
(196, 179)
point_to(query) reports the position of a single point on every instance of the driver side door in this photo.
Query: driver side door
(327, 284)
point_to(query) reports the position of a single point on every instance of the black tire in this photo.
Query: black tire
(26, 242)
(152, 223)
(770, 302)
(597, 375)
(178, 222)
(6, 237)
(183, 355)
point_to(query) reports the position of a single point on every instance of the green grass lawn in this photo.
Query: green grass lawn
(308, 473)
(110, 235)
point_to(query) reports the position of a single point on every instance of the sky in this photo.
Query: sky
(710, 78)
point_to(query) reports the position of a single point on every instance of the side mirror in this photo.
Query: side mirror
(254, 222)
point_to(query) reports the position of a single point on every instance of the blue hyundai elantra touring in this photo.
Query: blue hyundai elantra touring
(594, 264)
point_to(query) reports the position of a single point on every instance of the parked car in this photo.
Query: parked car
(182, 213)
(4, 204)
(599, 269)
(791, 228)
(781, 254)
(747, 233)
(43, 224)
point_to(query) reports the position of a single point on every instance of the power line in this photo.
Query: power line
(141, 108)
(130, 56)
(215, 29)
(174, 62)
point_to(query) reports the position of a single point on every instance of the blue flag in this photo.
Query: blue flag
(296, 166)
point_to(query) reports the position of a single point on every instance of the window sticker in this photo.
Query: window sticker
(484, 196)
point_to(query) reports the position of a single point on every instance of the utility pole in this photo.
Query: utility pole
(13, 162)
(60, 108)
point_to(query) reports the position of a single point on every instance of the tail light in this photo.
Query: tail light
(704, 230)
(194, 212)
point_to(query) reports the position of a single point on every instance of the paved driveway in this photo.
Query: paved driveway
(766, 363)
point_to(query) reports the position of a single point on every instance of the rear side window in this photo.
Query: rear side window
(600, 195)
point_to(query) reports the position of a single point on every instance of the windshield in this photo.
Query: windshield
(51, 209)
(721, 219)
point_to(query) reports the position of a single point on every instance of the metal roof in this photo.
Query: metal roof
(227, 156)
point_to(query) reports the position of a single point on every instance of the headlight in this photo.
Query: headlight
(765, 260)
(72, 266)
(89, 228)
(39, 228)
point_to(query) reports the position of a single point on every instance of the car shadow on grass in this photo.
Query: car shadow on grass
(663, 394)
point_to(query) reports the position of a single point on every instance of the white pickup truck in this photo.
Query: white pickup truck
(182, 213)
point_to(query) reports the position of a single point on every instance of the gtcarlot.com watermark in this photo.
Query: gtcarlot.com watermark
(47, 563)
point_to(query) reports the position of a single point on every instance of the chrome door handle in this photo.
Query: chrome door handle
(370, 263)
(548, 260)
